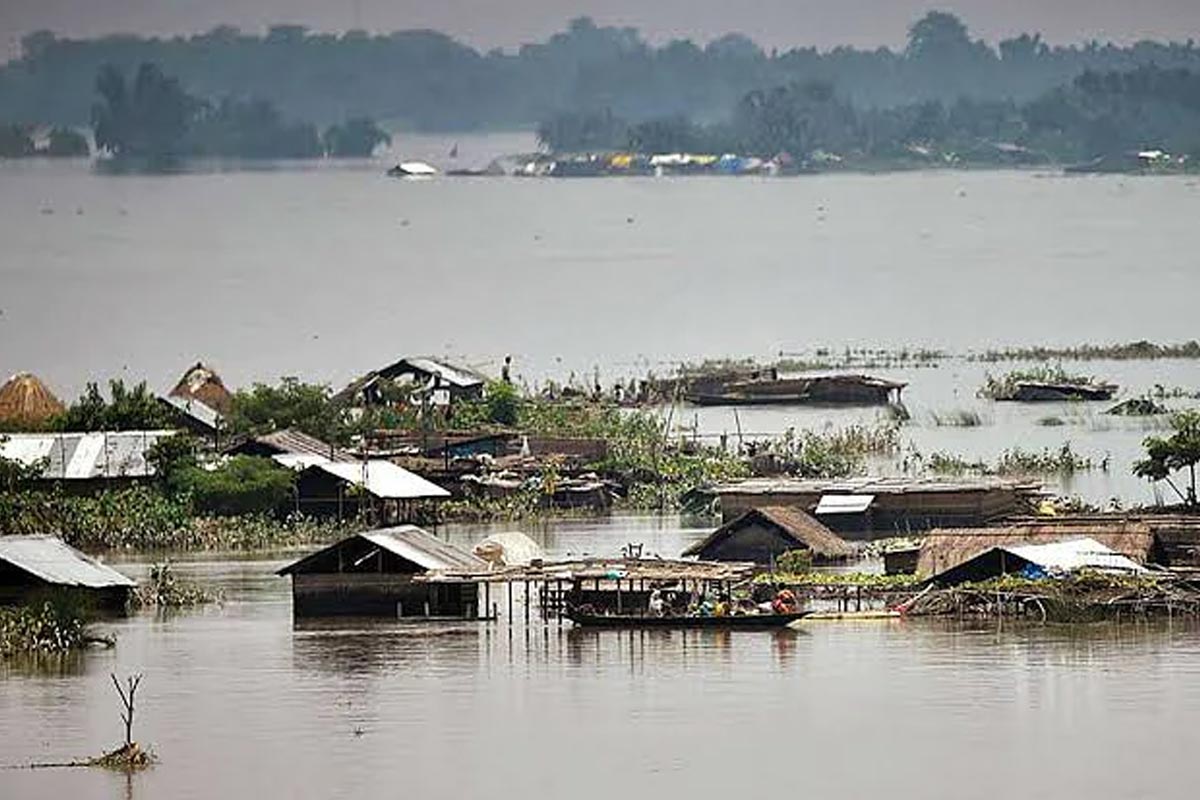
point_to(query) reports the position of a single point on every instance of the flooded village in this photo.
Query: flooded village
(732, 403)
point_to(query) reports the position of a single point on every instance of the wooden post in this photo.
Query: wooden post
(510, 612)
(618, 595)
(487, 597)
(527, 603)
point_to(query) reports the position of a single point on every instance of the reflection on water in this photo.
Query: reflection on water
(240, 701)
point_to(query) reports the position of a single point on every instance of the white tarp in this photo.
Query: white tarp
(1075, 554)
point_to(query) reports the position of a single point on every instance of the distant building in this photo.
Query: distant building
(761, 535)
(200, 402)
(442, 383)
(30, 565)
(371, 574)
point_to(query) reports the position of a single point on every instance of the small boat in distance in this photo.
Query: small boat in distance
(729, 622)
(412, 169)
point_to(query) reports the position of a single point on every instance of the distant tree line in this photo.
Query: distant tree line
(1096, 115)
(153, 117)
(24, 141)
(427, 80)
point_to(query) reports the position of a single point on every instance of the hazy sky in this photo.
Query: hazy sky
(488, 23)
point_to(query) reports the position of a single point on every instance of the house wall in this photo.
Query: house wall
(18, 587)
(379, 595)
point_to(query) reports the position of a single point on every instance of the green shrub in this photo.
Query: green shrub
(242, 485)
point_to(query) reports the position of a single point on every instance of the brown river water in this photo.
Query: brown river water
(326, 271)
(238, 702)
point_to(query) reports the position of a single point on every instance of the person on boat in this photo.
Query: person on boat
(657, 605)
(723, 607)
(784, 602)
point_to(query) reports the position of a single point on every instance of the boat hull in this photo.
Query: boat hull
(737, 622)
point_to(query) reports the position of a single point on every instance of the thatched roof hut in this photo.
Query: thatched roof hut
(763, 534)
(946, 548)
(202, 383)
(25, 400)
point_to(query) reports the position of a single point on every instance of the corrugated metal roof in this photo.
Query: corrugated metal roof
(455, 376)
(194, 408)
(297, 442)
(54, 561)
(81, 456)
(383, 479)
(422, 548)
(408, 542)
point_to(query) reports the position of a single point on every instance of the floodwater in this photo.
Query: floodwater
(239, 702)
(327, 270)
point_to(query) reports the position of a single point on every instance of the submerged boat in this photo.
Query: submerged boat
(1039, 391)
(736, 621)
(816, 390)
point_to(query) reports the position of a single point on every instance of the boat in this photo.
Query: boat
(1040, 391)
(735, 622)
(831, 390)
(412, 169)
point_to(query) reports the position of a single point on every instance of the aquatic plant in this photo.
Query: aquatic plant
(164, 589)
(1141, 350)
(47, 627)
(144, 518)
(956, 418)
(1063, 461)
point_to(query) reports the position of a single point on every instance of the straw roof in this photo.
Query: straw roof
(25, 400)
(202, 383)
(805, 531)
(946, 548)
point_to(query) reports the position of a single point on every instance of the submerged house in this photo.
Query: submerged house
(30, 565)
(867, 508)
(946, 549)
(345, 489)
(371, 574)
(761, 535)
(441, 383)
(26, 402)
(1039, 560)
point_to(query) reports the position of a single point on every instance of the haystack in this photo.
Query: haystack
(25, 401)
(204, 384)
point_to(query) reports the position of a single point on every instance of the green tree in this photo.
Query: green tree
(15, 141)
(292, 404)
(242, 485)
(127, 409)
(1179, 451)
(503, 403)
(67, 143)
(16, 475)
(148, 120)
